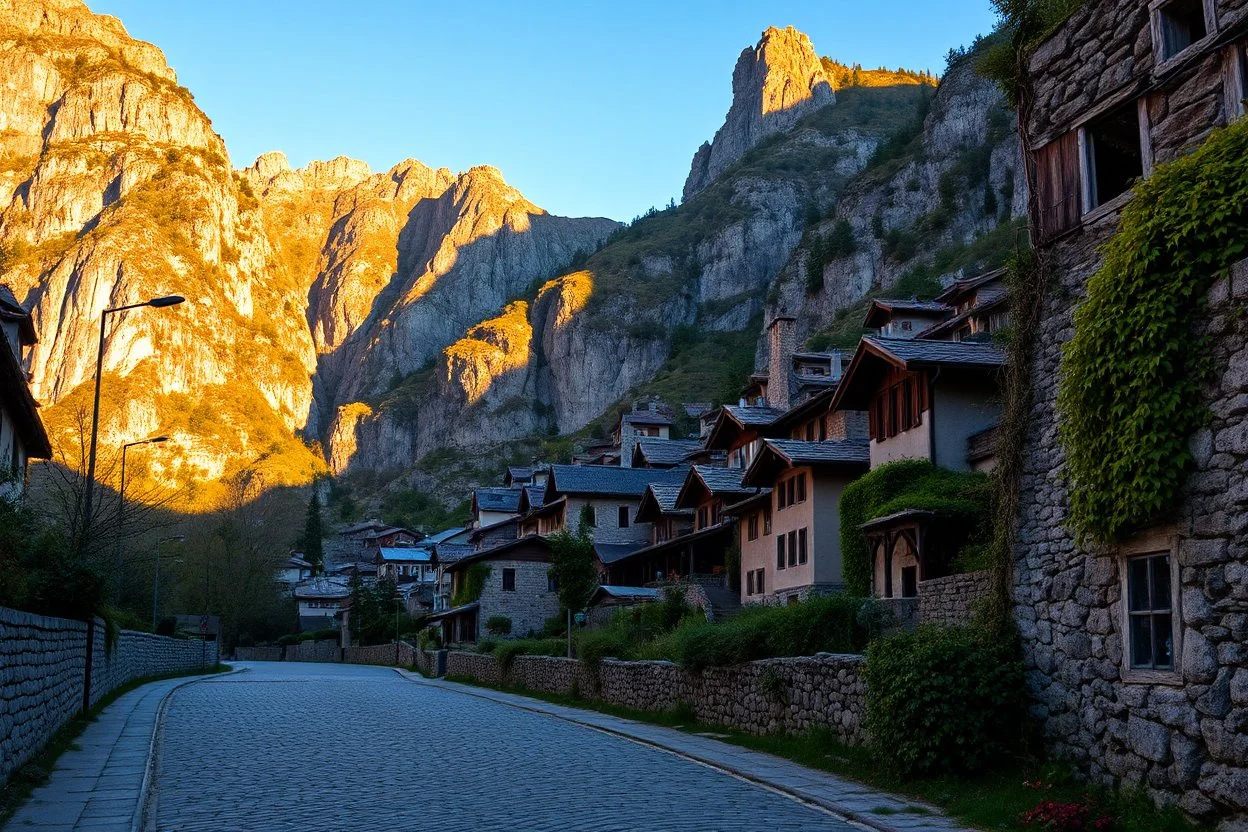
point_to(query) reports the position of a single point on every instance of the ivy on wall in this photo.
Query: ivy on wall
(1130, 392)
(471, 586)
(901, 486)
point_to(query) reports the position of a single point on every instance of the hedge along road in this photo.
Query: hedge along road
(351, 747)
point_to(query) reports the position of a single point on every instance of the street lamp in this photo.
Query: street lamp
(156, 576)
(121, 501)
(159, 303)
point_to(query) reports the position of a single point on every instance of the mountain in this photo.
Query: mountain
(114, 188)
(398, 324)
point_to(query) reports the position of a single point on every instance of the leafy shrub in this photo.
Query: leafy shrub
(507, 650)
(498, 625)
(909, 484)
(430, 638)
(593, 646)
(824, 624)
(1133, 376)
(944, 697)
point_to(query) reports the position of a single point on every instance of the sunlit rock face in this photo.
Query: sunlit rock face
(114, 188)
(774, 85)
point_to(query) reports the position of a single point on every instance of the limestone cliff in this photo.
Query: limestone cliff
(774, 85)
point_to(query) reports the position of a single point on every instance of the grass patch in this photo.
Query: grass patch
(38, 770)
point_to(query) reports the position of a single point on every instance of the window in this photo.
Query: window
(752, 527)
(509, 580)
(1149, 618)
(909, 581)
(1235, 77)
(1176, 26)
(793, 548)
(791, 488)
(780, 551)
(766, 521)
(623, 520)
(801, 487)
(1112, 155)
(905, 326)
(749, 582)
(758, 580)
(780, 492)
(588, 515)
(702, 518)
(552, 583)
(801, 546)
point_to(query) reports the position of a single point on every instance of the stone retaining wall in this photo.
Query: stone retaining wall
(791, 695)
(258, 654)
(951, 600)
(314, 651)
(43, 663)
(404, 655)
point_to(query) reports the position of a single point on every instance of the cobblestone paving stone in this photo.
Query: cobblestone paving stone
(331, 747)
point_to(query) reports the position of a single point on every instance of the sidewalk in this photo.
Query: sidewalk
(850, 799)
(99, 785)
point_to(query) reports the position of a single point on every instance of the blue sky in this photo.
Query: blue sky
(588, 108)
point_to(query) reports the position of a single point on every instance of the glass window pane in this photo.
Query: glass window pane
(1163, 642)
(1161, 582)
(1141, 641)
(1137, 584)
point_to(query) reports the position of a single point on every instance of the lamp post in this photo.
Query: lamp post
(156, 577)
(121, 504)
(88, 492)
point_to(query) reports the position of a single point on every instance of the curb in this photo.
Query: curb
(848, 815)
(139, 818)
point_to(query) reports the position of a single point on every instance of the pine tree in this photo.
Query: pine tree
(313, 531)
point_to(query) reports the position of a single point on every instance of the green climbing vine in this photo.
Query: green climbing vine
(472, 584)
(1130, 392)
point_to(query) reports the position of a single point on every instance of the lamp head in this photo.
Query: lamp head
(167, 300)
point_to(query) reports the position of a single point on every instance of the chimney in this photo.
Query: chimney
(781, 335)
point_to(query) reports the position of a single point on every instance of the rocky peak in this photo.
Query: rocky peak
(774, 84)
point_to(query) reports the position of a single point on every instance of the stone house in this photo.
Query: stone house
(789, 533)
(651, 421)
(516, 585)
(292, 571)
(493, 504)
(979, 306)
(319, 600)
(895, 318)
(738, 432)
(1137, 654)
(406, 564)
(22, 435)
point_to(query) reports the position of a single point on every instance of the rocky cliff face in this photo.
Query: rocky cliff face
(774, 85)
(114, 188)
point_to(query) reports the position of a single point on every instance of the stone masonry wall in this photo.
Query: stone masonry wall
(790, 695)
(529, 606)
(951, 600)
(404, 655)
(258, 654)
(314, 651)
(43, 670)
(1183, 736)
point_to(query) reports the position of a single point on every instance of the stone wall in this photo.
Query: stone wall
(952, 599)
(43, 664)
(1180, 733)
(790, 695)
(402, 655)
(258, 654)
(314, 651)
(528, 606)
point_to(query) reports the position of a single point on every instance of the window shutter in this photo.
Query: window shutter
(1057, 185)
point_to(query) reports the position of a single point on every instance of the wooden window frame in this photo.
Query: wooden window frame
(1151, 542)
(780, 555)
(793, 547)
(801, 487)
(509, 572)
(766, 522)
(802, 541)
(760, 583)
(1087, 163)
(622, 517)
(751, 526)
(1164, 63)
(1235, 80)
(749, 582)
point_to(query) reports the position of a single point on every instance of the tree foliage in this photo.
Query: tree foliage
(1132, 378)
(574, 568)
(312, 541)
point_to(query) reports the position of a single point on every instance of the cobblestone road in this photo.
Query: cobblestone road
(339, 747)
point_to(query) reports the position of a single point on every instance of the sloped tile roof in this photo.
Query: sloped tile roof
(722, 480)
(645, 417)
(452, 552)
(611, 552)
(665, 495)
(753, 416)
(609, 479)
(667, 451)
(497, 499)
(961, 353)
(801, 452)
(411, 553)
(322, 588)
